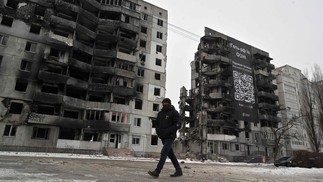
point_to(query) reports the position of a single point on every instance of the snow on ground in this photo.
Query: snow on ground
(255, 168)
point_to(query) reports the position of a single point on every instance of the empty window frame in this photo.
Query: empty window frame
(159, 35)
(71, 114)
(237, 147)
(140, 88)
(156, 91)
(158, 62)
(136, 140)
(144, 16)
(138, 104)
(12, 4)
(157, 76)
(141, 72)
(160, 22)
(50, 88)
(30, 47)
(39, 10)
(155, 107)
(3, 40)
(40, 133)
(144, 30)
(1, 57)
(95, 115)
(154, 140)
(225, 146)
(137, 122)
(25, 65)
(159, 48)
(142, 58)
(16, 108)
(35, 29)
(21, 85)
(10, 130)
(7, 21)
(142, 43)
(119, 117)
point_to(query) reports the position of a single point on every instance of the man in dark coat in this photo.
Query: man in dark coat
(167, 124)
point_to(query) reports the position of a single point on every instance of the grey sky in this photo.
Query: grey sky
(291, 31)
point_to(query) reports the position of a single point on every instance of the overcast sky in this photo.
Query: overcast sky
(291, 31)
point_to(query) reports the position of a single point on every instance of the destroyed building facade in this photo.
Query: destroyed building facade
(81, 74)
(232, 103)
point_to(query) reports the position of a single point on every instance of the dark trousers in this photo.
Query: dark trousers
(167, 150)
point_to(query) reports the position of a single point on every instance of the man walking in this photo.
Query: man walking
(167, 124)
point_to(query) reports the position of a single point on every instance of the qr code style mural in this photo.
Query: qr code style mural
(244, 89)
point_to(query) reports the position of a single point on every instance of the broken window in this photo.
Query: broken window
(16, 108)
(142, 43)
(160, 22)
(95, 115)
(31, 47)
(158, 62)
(156, 91)
(140, 88)
(138, 104)
(75, 93)
(247, 134)
(159, 48)
(154, 140)
(237, 147)
(35, 28)
(119, 117)
(21, 85)
(71, 114)
(159, 35)
(141, 72)
(136, 140)
(1, 60)
(7, 21)
(144, 30)
(48, 88)
(112, 138)
(157, 76)
(67, 133)
(25, 65)
(10, 130)
(96, 98)
(153, 122)
(120, 100)
(12, 4)
(90, 136)
(155, 107)
(144, 16)
(142, 59)
(3, 40)
(45, 109)
(56, 53)
(39, 10)
(40, 133)
(137, 122)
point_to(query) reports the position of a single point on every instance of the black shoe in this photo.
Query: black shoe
(177, 174)
(153, 174)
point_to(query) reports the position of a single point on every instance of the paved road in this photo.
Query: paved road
(18, 168)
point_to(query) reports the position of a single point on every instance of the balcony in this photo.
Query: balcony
(102, 69)
(132, 13)
(218, 83)
(261, 72)
(98, 87)
(108, 25)
(80, 65)
(80, 29)
(127, 43)
(77, 83)
(125, 73)
(268, 117)
(100, 125)
(83, 47)
(62, 23)
(123, 91)
(212, 58)
(48, 98)
(126, 57)
(120, 127)
(66, 6)
(105, 53)
(59, 40)
(264, 105)
(111, 8)
(266, 84)
(103, 38)
(267, 95)
(215, 122)
(44, 119)
(130, 27)
(52, 77)
(260, 63)
(74, 102)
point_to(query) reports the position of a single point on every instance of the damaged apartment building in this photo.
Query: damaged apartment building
(231, 104)
(81, 74)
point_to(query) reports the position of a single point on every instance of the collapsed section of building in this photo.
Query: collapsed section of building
(231, 104)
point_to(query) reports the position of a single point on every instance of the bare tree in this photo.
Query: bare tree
(318, 92)
(283, 132)
(308, 110)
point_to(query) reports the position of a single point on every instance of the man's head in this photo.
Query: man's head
(166, 102)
